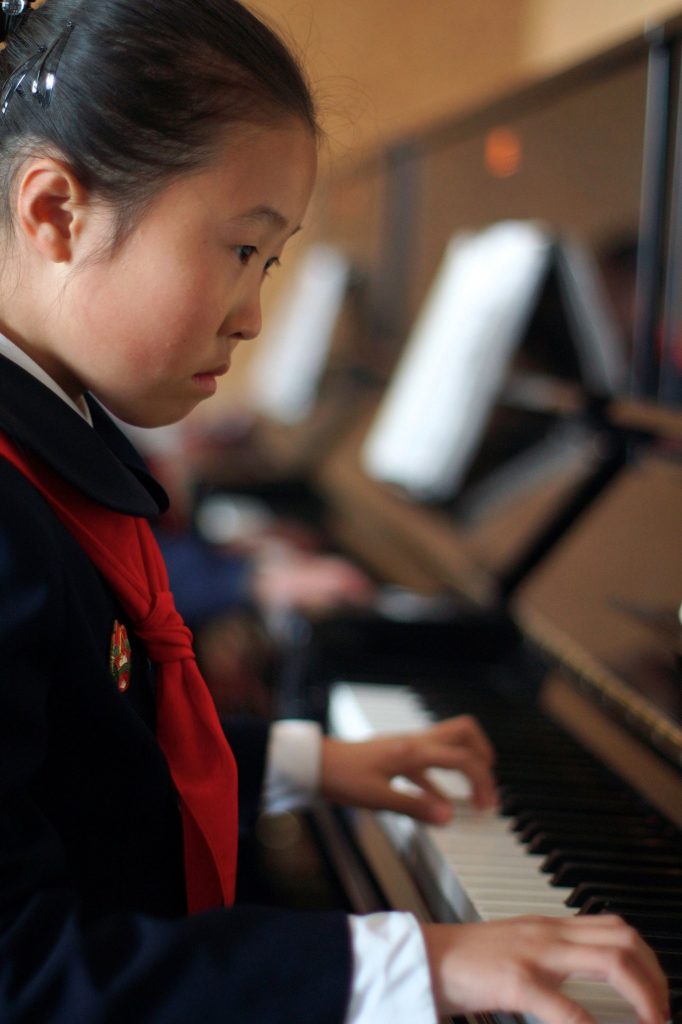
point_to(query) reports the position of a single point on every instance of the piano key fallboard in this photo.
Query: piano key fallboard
(570, 837)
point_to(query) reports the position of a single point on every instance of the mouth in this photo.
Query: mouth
(207, 379)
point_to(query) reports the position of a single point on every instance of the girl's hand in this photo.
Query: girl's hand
(517, 966)
(314, 584)
(360, 774)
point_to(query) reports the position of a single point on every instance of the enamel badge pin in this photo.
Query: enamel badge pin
(119, 656)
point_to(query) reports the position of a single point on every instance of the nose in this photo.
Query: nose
(245, 322)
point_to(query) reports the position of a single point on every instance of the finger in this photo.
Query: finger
(464, 730)
(435, 802)
(551, 1006)
(624, 969)
(425, 802)
(610, 930)
(432, 752)
(421, 805)
(462, 759)
(632, 953)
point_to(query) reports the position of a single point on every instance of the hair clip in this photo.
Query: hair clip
(12, 14)
(14, 7)
(41, 71)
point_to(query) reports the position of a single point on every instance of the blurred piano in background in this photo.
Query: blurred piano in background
(584, 705)
(550, 578)
(563, 636)
(530, 550)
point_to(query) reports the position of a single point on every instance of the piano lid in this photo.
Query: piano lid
(607, 599)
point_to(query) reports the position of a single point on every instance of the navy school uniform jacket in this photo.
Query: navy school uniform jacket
(92, 903)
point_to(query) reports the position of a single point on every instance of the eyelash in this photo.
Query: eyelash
(245, 252)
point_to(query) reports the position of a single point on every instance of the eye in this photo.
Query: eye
(245, 252)
(274, 262)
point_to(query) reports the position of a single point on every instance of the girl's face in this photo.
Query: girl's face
(149, 329)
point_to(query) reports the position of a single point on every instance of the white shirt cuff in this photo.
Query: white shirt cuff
(292, 765)
(391, 977)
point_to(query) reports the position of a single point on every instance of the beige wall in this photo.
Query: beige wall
(382, 67)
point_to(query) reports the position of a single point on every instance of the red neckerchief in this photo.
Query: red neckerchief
(202, 766)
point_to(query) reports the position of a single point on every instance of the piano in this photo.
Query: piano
(570, 836)
(577, 679)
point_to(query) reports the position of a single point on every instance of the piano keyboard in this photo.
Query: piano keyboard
(485, 866)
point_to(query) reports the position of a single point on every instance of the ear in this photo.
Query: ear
(50, 206)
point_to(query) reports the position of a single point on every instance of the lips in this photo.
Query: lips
(206, 380)
(219, 371)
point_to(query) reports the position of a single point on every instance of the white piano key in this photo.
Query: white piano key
(477, 862)
(527, 900)
(512, 873)
(494, 910)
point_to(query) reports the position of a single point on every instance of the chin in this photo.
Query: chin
(146, 414)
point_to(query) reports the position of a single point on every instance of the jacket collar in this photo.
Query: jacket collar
(100, 462)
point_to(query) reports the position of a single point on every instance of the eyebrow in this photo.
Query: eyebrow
(270, 214)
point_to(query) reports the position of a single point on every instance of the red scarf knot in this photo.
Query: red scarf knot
(163, 632)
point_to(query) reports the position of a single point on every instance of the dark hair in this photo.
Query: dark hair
(143, 90)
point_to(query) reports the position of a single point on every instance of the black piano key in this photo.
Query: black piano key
(513, 765)
(636, 859)
(583, 891)
(671, 962)
(615, 904)
(529, 822)
(516, 772)
(632, 877)
(545, 842)
(662, 944)
(656, 924)
(647, 921)
(533, 794)
(579, 803)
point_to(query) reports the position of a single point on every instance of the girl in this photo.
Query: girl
(155, 159)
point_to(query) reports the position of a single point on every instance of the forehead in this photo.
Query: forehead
(260, 176)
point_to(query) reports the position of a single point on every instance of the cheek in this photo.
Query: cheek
(147, 308)
(142, 316)
(174, 302)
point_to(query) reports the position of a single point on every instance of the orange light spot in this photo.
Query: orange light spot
(502, 152)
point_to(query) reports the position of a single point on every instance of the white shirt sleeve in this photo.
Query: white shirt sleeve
(292, 765)
(391, 978)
